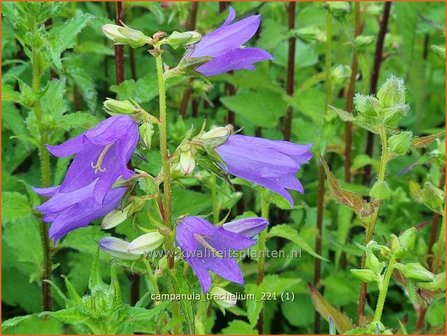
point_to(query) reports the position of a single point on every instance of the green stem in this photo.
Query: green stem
(167, 201)
(215, 203)
(440, 248)
(265, 206)
(151, 277)
(45, 176)
(201, 315)
(384, 289)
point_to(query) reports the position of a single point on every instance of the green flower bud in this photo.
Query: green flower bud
(392, 92)
(115, 217)
(361, 42)
(438, 50)
(408, 238)
(365, 275)
(187, 159)
(400, 143)
(394, 114)
(223, 298)
(438, 284)
(125, 35)
(146, 243)
(367, 106)
(177, 39)
(113, 106)
(216, 136)
(380, 191)
(146, 131)
(416, 271)
(338, 9)
(310, 34)
(395, 244)
(373, 263)
(433, 197)
(340, 74)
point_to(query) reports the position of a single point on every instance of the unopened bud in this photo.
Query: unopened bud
(373, 263)
(416, 271)
(394, 114)
(125, 35)
(363, 41)
(338, 9)
(177, 39)
(400, 143)
(367, 106)
(340, 74)
(187, 160)
(117, 248)
(365, 275)
(408, 238)
(395, 244)
(113, 106)
(380, 191)
(223, 298)
(433, 197)
(115, 217)
(310, 34)
(392, 92)
(146, 243)
(146, 131)
(216, 136)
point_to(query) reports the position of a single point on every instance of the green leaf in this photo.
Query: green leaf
(70, 315)
(15, 207)
(143, 314)
(262, 108)
(34, 324)
(238, 327)
(287, 232)
(299, 311)
(142, 91)
(53, 100)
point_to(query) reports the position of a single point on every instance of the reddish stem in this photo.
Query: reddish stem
(119, 50)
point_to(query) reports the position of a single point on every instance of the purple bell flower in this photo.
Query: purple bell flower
(268, 163)
(208, 248)
(225, 46)
(101, 154)
(71, 210)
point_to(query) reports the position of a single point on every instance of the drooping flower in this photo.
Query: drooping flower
(225, 46)
(67, 211)
(101, 154)
(268, 163)
(208, 248)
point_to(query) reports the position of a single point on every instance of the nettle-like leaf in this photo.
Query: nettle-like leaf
(342, 321)
(348, 198)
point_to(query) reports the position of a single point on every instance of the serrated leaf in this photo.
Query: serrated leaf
(15, 207)
(143, 314)
(70, 315)
(238, 327)
(342, 321)
(342, 114)
(287, 232)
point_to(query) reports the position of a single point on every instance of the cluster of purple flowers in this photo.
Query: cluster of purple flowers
(101, 156)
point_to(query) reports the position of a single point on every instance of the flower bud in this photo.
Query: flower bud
(392, 92)
(367, 106)
(177, 39)
(146, 131)
(146, 243)
(223, 298)
(408, 238)
(113, 106)
(338, 9)
(117, 248)
(216, 136)
(393, 115)
(380, 191)
(416, 271)
(400, 143)
(187, 160)
(433, 197)
(310, 34)
(115, 217)
(125, 35)
(363, 41)
(365, 275)
(340, 74)
(373, 263)
(395, 244)
(438, 284)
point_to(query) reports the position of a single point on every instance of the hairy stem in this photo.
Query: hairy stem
(321, 174)
(378, 56)
(45, 174)
(372, 223)
(214, 199)
(151, 277)
(167, 200)
(384, 289)
(290, 70)
(265, 207)
(119, 49)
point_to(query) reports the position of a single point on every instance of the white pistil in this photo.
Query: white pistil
(97, 167)
(205, 244)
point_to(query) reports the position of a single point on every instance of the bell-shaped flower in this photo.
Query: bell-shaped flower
(118, 248)
(268, 163)
(67, 211)
(225, 46)
(101, 154)
(209, 248)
